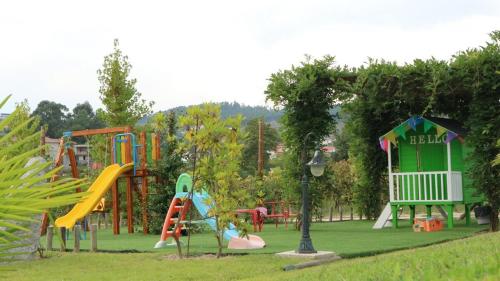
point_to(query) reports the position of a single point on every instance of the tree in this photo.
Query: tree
(340, 185)
(25, 191)
(122, 102)
(52, 115)
(307, 94)
(83, 117)
(479, 67)
(341, 144)
(218, 155)
(168, 169)
(251, 145)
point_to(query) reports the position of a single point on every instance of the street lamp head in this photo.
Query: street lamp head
(317, 164)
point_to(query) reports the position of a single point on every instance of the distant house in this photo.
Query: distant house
(82, 154)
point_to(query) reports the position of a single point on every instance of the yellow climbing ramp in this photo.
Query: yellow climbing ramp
(97, 190)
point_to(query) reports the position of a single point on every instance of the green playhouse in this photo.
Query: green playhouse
(431, 153)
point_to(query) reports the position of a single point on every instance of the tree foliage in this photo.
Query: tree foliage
(122, 102)
(307, 94)
(251, 146)
(53, 116)
(478, 69)
(218, 155)
(168, 169)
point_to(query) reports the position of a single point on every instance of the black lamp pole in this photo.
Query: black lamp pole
(305, 246)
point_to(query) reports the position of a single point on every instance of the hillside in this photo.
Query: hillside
(234, 108)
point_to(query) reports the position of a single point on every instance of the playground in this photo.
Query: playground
(384, 170)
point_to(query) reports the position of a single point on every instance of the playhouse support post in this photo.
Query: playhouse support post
(389, 171)
(116, 208)
(130, 202)
(412, 213)
(448, 176)
(145, 228)
(450, 215)
(394, 209)
(144, 182)
(467, 214)
(130, 194)
(428, 210)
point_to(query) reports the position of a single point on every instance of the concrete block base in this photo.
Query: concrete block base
(314, 256)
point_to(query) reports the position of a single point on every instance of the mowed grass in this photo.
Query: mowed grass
(350, 238)
(476, 258)
(465, 259)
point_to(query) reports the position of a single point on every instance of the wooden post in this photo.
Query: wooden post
(116, 208)
(467, 214)
(93, 238)
(76, 231)
(63, 239)
(129, 191)
(260, 153)
(50, 236)
(144, 183)
(114, 193)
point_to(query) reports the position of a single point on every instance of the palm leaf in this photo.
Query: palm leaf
(25, 191)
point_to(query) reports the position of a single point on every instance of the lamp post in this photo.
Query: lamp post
(317, 166)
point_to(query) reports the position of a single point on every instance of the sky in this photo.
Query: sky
(188, 52)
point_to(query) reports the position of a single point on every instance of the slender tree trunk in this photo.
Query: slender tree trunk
(360, 215)
(330, 219)
(494, 219)
(341, 213)
(352, 213)
(219, 244)
(178, 243)
(218, 236)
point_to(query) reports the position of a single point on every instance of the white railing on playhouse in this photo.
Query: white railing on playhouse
(425, 186)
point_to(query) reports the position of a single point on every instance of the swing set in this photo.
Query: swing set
(122, 149)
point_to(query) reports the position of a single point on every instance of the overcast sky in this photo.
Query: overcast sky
(187, 52)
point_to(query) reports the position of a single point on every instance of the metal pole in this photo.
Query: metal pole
(305, 246)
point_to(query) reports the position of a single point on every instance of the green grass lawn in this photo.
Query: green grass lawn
(350, 238)
(476, 258)
(346, 238)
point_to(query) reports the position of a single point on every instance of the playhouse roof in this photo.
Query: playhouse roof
(452, 128)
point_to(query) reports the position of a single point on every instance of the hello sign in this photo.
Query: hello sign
(429, 139)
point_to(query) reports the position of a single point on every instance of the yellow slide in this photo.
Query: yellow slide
(97, 190)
